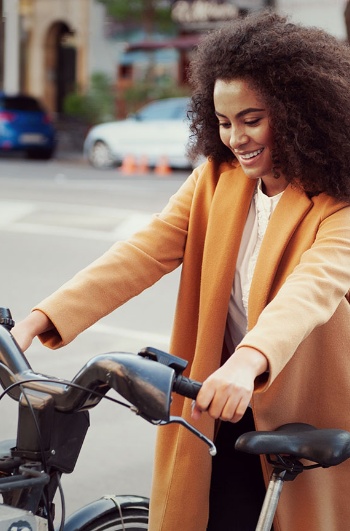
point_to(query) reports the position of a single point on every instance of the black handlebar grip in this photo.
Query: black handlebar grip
(6, 318)
(186, 387)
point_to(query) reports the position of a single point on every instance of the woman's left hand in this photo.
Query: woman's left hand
(227, 392)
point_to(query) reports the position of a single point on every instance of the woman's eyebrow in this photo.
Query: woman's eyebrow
(241, 113)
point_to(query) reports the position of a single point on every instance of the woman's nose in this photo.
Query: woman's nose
(238, 138)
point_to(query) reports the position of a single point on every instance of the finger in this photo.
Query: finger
(240, 411)
(224, 403)
(222, 406)
(204, 397)
(196, 412)
(234, 407)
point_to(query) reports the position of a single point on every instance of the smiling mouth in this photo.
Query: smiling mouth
(251, 155)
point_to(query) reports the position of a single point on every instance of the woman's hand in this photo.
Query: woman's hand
(227, 392)
(34, 324)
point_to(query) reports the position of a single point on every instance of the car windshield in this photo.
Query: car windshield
(20, 103)
(164, 110)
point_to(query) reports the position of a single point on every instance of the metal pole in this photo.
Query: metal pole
(11, 46)
(269, 507)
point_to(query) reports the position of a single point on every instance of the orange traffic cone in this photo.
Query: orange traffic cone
(162, 167)
(143, 166)
(128, 166)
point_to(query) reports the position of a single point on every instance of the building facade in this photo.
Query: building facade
(49, 48)
(60, 43)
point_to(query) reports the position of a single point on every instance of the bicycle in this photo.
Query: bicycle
(53, 419)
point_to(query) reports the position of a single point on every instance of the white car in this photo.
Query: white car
(157, 133)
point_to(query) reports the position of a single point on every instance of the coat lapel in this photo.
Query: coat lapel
(228, 213)
(290, 211)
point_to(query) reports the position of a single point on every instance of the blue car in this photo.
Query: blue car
(25, 127)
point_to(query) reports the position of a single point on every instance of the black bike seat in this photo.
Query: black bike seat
(327, 447)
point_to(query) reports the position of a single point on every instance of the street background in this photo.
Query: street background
(55, 218)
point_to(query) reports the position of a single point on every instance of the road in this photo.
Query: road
(56, 217)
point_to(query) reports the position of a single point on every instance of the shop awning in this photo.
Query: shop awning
(182, 42)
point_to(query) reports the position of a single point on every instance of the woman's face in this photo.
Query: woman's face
(244, 128)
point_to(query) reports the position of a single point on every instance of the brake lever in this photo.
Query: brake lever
(192, 429)
(178, 420)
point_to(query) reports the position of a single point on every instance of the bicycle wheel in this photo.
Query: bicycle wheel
(130, 520)
(111, 513)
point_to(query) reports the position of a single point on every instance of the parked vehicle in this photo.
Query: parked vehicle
(26, 127)
(159, 130)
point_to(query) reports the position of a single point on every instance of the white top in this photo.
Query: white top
(258, 217)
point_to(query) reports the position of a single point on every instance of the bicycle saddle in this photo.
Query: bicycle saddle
(327, 447)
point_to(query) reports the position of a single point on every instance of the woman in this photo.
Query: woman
(262, 231)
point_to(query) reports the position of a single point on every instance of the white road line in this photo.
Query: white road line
(88, 210)
(27, 228)
(145, 337)
(11, 211)
(77, 220)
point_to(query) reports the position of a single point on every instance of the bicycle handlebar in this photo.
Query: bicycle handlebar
(145, 384)
(186, 387)
(146, 380)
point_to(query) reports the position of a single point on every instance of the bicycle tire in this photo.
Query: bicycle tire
(111, 513)
(130, 520)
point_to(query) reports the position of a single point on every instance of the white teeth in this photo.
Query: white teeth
(252, 154)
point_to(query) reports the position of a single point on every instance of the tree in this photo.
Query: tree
(149, 14)
(94, 106)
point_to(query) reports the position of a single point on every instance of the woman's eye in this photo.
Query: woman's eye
(225, 125)
(255, 121)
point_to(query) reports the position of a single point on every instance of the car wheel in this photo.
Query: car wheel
(100, 155)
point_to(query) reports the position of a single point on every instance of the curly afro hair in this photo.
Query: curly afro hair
(303, 76)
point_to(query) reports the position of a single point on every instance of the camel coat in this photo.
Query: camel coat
(298, 317)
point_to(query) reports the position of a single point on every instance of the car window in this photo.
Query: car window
(20, 103)
(164, 110)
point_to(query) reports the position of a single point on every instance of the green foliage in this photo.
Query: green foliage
(96, 106)
(149, 14)
(148, 90)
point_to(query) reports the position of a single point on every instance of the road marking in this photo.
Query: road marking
(11, 211)
(127, 333)
(66, 220)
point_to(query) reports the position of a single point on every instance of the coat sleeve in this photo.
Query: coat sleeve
(124, 271)
(309, 296)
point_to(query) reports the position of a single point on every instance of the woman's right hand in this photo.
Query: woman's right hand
(34, 324)
(227, 392)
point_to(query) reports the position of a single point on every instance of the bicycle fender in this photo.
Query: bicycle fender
(107, 504)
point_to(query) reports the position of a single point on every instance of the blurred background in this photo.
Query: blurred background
(90, 61)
